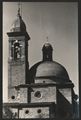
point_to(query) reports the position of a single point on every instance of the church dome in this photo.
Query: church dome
(48, 68)
(18, 25)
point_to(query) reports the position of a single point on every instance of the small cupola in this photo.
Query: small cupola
(47, 52)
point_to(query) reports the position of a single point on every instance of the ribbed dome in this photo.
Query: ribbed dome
(49, 69)
(18, 25)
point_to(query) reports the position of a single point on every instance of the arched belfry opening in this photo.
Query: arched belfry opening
(17, 50)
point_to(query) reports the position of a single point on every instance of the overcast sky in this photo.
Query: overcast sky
(58, 21)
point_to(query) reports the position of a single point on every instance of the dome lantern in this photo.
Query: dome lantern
(47, 52)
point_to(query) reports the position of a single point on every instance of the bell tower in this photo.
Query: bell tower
(18, 66)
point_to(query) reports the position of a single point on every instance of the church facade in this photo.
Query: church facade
(43, 91)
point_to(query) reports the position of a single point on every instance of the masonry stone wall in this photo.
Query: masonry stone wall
(18, 95)
(16, 74)
(43, 94)
(36, 112)
(43, 80)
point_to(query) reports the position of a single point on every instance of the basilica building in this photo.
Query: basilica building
(43, 91)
